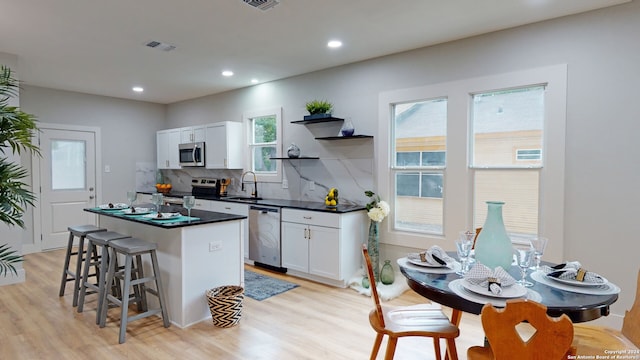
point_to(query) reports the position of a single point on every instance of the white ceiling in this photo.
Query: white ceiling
(98, 47)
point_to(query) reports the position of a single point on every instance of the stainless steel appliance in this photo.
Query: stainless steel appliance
(264, 237)
(191, 154)
(205, 187)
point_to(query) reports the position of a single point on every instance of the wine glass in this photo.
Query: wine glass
(156, 199)
(131, 196)
(539, 244)
(188, 202)
(524, 254)
(463, 247)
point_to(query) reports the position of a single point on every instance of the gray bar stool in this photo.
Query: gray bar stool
(80, 231)
(98, 259)
(133, 248)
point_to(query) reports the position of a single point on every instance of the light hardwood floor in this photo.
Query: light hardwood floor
(312, 321)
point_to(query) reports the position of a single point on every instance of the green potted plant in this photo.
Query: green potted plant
(318, 109)
(16, 131)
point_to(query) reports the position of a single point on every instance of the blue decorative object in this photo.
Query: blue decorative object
(493, 246)
(387, 275)
(373, 245)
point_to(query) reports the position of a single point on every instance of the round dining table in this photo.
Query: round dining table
(580, 307)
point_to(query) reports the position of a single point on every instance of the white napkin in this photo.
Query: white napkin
(428, 256)
(493, 280)
(570, 271)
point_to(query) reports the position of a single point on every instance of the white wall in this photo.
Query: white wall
(602, 54)
(128, 130)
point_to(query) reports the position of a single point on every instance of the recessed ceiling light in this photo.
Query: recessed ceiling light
(137, 89)
(334, 43)
(227, 73)
(254, 81)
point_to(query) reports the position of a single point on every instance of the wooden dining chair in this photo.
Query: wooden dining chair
(550, 341)
(425, 320)
(593, 340)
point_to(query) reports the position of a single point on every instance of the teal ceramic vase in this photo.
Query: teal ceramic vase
(387, 275)
(373, 245)
(493, 246)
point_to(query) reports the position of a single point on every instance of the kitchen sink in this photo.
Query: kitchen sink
(244, 198)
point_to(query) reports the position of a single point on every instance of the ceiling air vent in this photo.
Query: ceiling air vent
(262, 4)
(160, 46)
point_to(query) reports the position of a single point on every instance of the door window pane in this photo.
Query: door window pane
(68, 168)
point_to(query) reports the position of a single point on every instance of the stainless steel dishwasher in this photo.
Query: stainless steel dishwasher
(264, 237)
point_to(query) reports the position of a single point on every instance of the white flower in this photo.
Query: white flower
(376, 214)
(377, 209)
(385, 207)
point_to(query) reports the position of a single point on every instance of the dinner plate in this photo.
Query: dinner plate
(573, 282)
(139, 211)
(117, 206)
(165, 216)
(414, 258)
(508, 292)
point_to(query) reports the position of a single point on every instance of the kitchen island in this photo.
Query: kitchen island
(194, 255)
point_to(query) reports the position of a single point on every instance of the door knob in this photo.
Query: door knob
(91, 197)
(91, 189)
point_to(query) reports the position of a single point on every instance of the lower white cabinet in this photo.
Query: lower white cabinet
(322, 246)
(234, 209)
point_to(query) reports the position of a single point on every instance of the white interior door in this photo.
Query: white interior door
(68, 182)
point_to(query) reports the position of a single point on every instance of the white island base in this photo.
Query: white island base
(192, 259)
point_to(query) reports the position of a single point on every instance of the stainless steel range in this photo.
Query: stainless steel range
(205, 187)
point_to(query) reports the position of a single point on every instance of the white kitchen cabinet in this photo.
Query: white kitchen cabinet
(143, 199)
(234, 209)
(192, 134)
(323, 247)
(167, 142)
(224, 145)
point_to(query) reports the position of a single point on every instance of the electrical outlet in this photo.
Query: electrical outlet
(312, 185)
(285, 184)
(215, 246)
(107, 168)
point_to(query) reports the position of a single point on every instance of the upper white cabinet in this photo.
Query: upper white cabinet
(167, 149)
(192, 134)
(224, 145)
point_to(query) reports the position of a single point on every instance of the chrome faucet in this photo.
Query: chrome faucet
(255, 183)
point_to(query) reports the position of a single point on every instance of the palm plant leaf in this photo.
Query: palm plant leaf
(8, 257)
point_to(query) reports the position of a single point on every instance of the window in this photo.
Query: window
(264, 143)
(445, 149)
(419, 140)
(503, 120)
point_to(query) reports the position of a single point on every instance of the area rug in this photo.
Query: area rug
(260, 287)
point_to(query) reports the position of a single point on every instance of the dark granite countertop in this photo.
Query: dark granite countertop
(292, 204)
(204, 217)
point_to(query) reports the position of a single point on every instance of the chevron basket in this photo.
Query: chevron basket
(225, 304)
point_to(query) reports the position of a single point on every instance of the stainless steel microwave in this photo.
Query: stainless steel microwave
(191, 154)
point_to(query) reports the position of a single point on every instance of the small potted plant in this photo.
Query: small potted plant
(318, 109)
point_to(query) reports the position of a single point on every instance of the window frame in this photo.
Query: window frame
(247, 120)
(458, 209)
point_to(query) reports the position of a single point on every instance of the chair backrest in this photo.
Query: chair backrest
(551, 340)
(372, 283)
(631, 322)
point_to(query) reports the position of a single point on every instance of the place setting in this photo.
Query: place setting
(433, 260)
(483, 285)
(571, 276)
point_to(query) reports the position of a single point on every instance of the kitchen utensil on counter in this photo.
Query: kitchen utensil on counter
(223, 183)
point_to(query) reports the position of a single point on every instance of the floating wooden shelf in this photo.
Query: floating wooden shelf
(315, 121)
(345, 137)
(298, 158)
